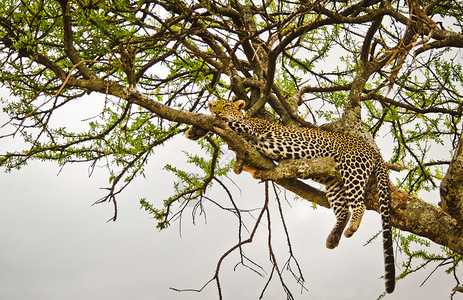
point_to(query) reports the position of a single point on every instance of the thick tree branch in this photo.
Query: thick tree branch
(421, 218)
(369, 37)
(389, 101)
(69, 43)
(451, 188)
(301, 168)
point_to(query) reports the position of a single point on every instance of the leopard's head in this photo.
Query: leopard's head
(227, 110)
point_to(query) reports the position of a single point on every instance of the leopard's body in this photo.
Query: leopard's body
(356, 161)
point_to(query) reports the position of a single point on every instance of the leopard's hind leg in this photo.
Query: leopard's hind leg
(358, 208)
(354, 193)
(335, 194)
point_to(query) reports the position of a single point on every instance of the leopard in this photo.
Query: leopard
(356, 162)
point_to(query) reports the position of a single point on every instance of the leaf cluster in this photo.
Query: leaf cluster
(420, 255)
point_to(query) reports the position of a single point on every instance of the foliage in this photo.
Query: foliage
(393, 65)
(419, 256)
(190, 186)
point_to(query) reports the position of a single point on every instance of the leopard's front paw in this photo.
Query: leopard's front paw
(238, 166)
(250, 170)
(195, 133)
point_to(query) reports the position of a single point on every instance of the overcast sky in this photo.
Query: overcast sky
(56, 245)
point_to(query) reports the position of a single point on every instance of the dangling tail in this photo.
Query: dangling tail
(389, 265)
(384, 205)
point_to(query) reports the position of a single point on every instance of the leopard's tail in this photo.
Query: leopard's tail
(385, 207)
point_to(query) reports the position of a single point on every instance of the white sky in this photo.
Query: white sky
(55, 245)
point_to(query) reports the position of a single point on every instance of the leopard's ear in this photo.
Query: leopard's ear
(240, 104)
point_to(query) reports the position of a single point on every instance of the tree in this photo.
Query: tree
(366, 68)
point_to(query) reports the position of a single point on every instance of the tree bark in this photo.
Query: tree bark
(451, 189)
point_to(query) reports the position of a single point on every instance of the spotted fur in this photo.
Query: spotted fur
(356, 160)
